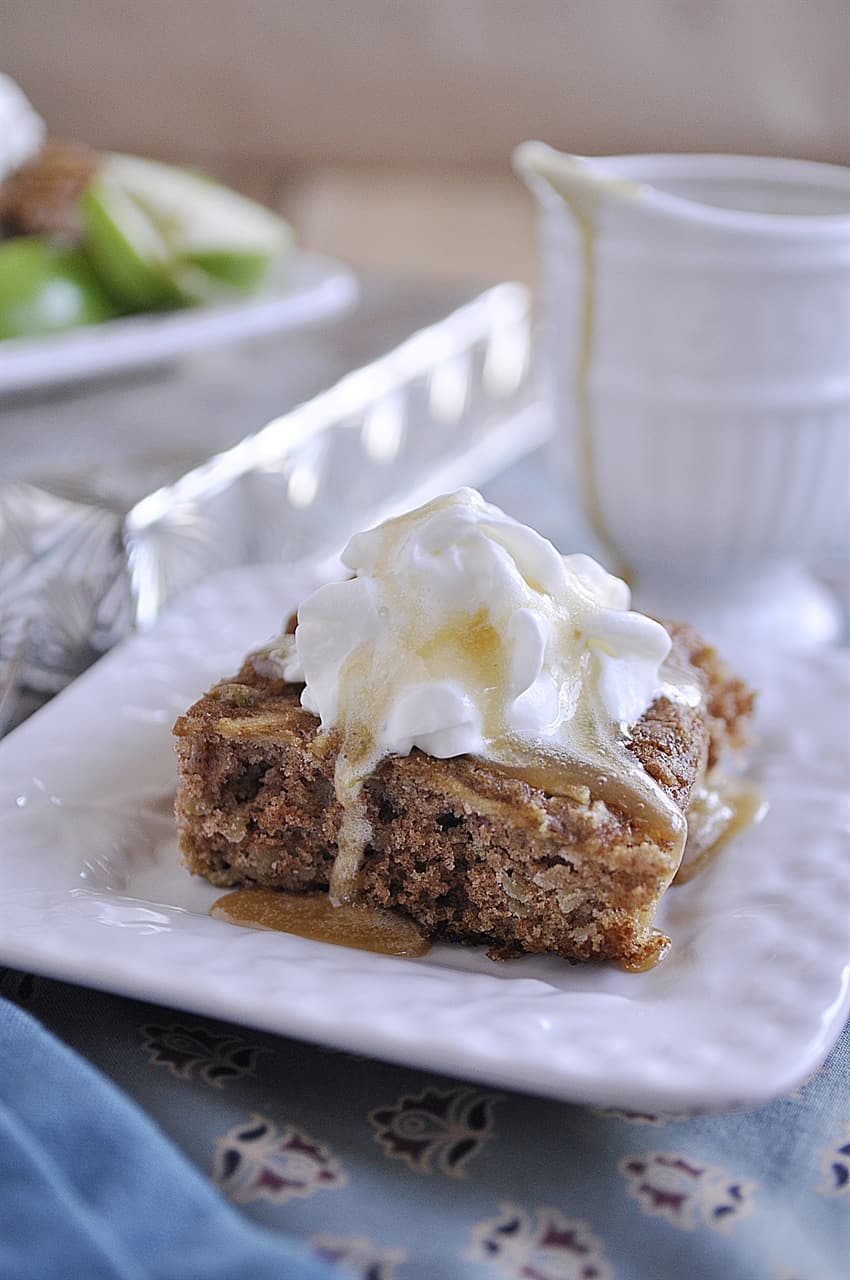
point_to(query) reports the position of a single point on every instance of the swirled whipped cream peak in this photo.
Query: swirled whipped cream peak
(463, 632)
(462, 627)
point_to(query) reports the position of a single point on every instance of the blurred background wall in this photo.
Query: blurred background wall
(384, 128)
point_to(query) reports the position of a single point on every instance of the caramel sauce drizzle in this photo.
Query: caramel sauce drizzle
(662, 946)
(721, 809)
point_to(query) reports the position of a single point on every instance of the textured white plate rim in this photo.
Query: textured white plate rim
(307, 289)
(749, 1002)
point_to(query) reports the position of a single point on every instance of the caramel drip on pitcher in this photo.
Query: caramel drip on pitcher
(585, 219)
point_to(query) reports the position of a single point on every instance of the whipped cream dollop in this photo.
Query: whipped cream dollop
(463, 631)
(22, 130)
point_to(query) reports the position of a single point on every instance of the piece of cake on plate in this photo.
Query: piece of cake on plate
(472, 730)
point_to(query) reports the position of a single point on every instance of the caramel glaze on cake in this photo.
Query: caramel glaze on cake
(469, 853)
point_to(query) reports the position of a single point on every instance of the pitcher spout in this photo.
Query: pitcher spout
(579, 181)
(759, 198)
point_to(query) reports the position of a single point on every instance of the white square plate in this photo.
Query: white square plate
(748, 1002)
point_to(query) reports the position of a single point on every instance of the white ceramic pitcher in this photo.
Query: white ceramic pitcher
(698, 347)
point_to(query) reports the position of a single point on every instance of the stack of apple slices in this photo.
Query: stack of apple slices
(151, 237)
(164, 237)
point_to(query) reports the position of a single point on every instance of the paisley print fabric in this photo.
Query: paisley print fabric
(544, 1245)
(686, 1193)
(389, 1173)
(184, 1050)
(256, 1160)
(438, 1129)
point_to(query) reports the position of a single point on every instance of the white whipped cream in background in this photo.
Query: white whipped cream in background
(465, 632)
(22, 130)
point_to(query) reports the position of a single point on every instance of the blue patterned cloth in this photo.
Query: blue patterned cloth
(386, 1172)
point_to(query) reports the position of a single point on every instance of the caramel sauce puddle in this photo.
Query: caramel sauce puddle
(312, 915)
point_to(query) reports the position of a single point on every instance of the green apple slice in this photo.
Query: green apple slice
(244, 271)
(161, 236)
(46, 287)
(127, 251)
